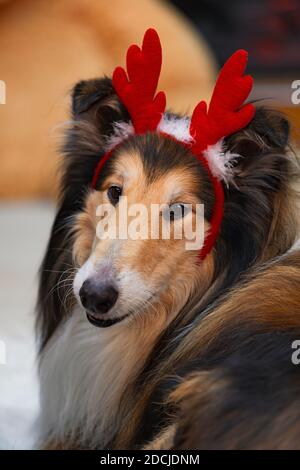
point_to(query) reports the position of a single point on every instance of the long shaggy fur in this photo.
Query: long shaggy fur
(210, 367)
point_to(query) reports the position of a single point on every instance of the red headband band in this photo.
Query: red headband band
(226, 114)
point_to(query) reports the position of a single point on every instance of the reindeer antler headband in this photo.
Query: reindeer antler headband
(205, 130)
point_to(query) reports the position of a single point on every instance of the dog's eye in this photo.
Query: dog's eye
(177, 211)
(114, 193)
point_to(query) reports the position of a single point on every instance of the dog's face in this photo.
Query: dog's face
(154, 185)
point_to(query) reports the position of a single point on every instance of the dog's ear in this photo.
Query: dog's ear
(96, 101)
(268, 132)
(262, 146)
(95, 109)
(261, 176)
(272, 127)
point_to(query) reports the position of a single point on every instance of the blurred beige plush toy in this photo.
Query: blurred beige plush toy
(46, 47)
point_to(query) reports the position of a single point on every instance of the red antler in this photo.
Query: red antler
(137, 92)
(226, 114)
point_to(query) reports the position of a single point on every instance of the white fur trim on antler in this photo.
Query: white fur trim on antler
(172, 125)
(220, 162)
(176, 127)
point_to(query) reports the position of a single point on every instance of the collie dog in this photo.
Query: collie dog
(141, 346)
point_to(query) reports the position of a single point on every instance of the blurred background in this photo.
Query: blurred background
(46, 46)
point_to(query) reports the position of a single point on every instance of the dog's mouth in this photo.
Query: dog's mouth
(103, 323)
(106, 322)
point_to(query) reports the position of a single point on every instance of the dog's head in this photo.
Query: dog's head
(121, 276)
(124, 278)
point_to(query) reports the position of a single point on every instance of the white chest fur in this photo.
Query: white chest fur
(84, 372)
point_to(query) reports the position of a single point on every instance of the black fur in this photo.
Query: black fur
(252, 381)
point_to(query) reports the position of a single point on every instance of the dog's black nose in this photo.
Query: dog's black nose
(96, 297)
